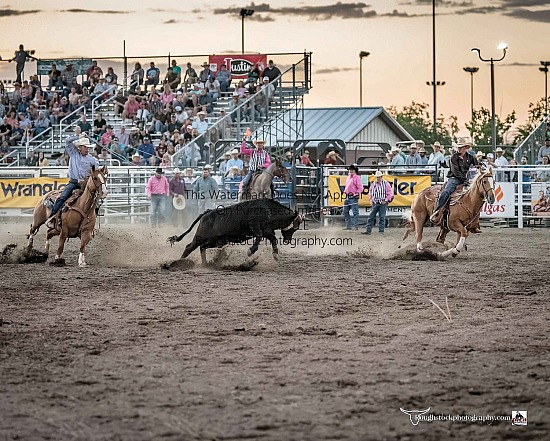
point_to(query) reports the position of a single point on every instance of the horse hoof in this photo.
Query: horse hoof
(82, 264)
(58, 262)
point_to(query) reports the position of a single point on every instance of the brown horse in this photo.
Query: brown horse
(260, 186)
(463, 209)
(77, 221)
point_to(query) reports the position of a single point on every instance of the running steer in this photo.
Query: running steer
(256, 219)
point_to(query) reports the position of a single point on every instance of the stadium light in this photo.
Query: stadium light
(362, 54)
(471, 71)
(503, 47)
(244, 13)
(544, 69)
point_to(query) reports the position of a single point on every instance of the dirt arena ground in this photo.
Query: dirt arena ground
(328, 343)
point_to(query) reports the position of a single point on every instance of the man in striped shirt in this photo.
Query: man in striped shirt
(259, 160)
(380, 195)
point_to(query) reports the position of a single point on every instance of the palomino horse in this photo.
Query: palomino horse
(260, 186)
(462, 211)
(77, 221)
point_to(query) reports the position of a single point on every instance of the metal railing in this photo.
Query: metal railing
(48, 139)
(11, 159)
(528, 147)
(98, 101)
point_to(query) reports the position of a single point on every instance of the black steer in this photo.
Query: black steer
(256, 219)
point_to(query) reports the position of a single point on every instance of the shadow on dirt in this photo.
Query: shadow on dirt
(219, 262)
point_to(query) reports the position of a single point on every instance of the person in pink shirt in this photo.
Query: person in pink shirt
(354, 188)
(157, 190)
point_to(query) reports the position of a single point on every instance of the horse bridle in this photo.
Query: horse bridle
(478, 183)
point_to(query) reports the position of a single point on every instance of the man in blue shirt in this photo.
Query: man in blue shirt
(80, 164)
(147, 151)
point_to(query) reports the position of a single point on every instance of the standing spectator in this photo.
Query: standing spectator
(224, 78)
(412, 160)
(288, 160)
(156, 190)
(353, 189)
(153, 76)
(397, 161)
(380, 195)
(235, 161)
(236, 115)
(272, 72)
(136, 78)
(268, 89)
(177, 189)
(191, 76)
(205, 73)
(206, 190)
(544, 175)
(20, 58)
(500, 162)
(423, 157)
(544, 150)
(437, 158)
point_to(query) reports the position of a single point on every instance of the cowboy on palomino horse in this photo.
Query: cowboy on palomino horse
(79, 219)
(464, 207)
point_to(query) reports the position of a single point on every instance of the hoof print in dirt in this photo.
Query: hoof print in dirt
(245, 266)
(178, 265)
(58, 262)
(411, 253)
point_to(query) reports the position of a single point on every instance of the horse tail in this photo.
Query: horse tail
(178, 238)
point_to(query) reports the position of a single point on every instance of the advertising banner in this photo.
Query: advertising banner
(540, 195)
(405, 188)
(26, 192)
(238, 65)
(504, 205)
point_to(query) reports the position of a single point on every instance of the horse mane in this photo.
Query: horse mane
(481, 173)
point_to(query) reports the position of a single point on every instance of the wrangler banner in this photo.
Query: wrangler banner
(405, 188)
(238, 65)
(26, 193)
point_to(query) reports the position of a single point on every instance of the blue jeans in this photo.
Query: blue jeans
(67, 191)
(351, 203)
(157, 209)
(449, 189)
(248, 178)
(380, 210)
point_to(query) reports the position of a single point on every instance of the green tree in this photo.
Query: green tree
(416, 120)
(535, 115)
(481, 130)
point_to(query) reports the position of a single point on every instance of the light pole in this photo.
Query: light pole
(434, 82)
(435, 85)
(503, 47)
(244, 13)
(471, 71)
(544, 69)
(362, 55)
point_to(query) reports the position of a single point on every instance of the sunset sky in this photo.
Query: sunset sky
(397, 33)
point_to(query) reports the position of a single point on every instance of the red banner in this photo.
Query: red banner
(238, 65)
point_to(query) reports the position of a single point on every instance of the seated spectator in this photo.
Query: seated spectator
(254, 73)
(200, 124)
(204, 103)
(16, 134)
(171, 150)
(111, 78)
(167, 96)
(85, 99)
(54, 76)
(544, 175)
(191, 155)
(305, 161)
(543, 151)
(212, 86)
(181, 115)
(171, 79)
(123, 135)
(117, 149)
(142, 113)
(205, 73)
(224, 78)
(136, 160)
(26, 90)
(42, 160)
(240, 89)
(166, 161)
(100, 125)
(173, 124)
(160, 149)
(107, 137)
(104, 156)
(4, 149)
(131, 108)
(84, 125)
(147, 151)
(119, 101)
(100, 91)
(74, 99)
(251, 88)
(36, 86)
(190, 77)
(68, 76)
(32, 159)
(331, 158)
(153, 76)
(41, 124)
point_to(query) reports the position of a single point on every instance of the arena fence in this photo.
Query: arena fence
(517, 191)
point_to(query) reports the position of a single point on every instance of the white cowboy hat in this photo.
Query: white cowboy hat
(234, 151)
(178, 202)
(228, 153)
(499, 149)
(83, 142)
(480, 153)
(259, 141)
(378, 174)
(176, 171)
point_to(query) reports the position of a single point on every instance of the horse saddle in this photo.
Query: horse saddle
(71, 200)
(442, 218)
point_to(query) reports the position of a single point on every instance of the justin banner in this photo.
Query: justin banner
(238, 65)
(26, 193)
(405, 188)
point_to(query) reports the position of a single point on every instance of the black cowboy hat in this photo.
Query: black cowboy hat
(160, 171)
(353, 167)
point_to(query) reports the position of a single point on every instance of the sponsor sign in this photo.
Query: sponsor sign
(540, 195)
(405, 188)
(26, 192)
(81, 65)
(504, 205)
(238, 65)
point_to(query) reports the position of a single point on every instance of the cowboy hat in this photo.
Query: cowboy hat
(259, 141)
(176, 171)
(288, 153)
(436, 144)
(353, 167)
(228, 153)
(202, 112)
(480, 153)
(499, 149)
(205, 64)
(83, 142)
(159, 171)
(235, 152)
(178, 202)
(378, 174)
(331, 153)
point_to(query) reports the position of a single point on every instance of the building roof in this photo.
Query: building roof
(345, 122)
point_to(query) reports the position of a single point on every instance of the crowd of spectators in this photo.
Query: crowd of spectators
(172, 109)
